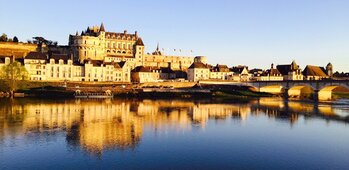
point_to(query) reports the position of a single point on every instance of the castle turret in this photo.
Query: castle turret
(329, 69)
(294, 66)
(139, 52)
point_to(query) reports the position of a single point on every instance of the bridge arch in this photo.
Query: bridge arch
(302, 91)
(315, 88)
(326, 92)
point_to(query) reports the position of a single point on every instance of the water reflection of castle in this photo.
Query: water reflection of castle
(100, 125)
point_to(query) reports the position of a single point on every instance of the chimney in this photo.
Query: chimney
(125, 32)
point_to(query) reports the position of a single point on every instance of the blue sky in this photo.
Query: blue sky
(250, 32)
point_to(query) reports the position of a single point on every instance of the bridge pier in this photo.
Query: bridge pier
(316, 95)
(286, 93)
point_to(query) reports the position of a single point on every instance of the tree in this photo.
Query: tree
(3, 37)
(12, 73)
(15, 39)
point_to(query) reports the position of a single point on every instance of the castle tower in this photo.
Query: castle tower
(329, 69)
(139, 52)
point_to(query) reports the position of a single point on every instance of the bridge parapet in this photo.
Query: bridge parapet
(314, 84)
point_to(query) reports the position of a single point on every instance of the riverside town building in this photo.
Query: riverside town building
(98, 55)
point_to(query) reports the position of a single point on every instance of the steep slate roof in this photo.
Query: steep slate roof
(115, 64)
(115, 35)
(314, 71)
(139, 42)
(60, 56)
(142, 69)
(284, 69)
(221, 68)
(122, 63)
(272, 72)
(57, 57)
(238, 69)
(198, 65)
(36, 56)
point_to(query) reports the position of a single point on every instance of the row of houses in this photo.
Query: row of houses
(61, 67)
(203, 71)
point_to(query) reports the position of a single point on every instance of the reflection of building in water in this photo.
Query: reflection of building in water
(165, 114)
(97, 125)
(203, 112)
(110, 124)
(290, 110)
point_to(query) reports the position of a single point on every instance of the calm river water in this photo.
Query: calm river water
(172, 134)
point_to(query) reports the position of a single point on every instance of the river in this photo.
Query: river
(173, 134)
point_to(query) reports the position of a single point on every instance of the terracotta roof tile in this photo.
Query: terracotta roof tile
(314, 71)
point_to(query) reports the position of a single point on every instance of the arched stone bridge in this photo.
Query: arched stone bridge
(322, 89)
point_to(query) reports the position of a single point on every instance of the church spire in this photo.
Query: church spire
(101, 28)
(157, 47)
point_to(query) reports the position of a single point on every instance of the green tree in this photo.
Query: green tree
(15, 39)
(3, 37)
(12, 73)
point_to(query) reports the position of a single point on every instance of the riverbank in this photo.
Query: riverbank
(161, 90)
